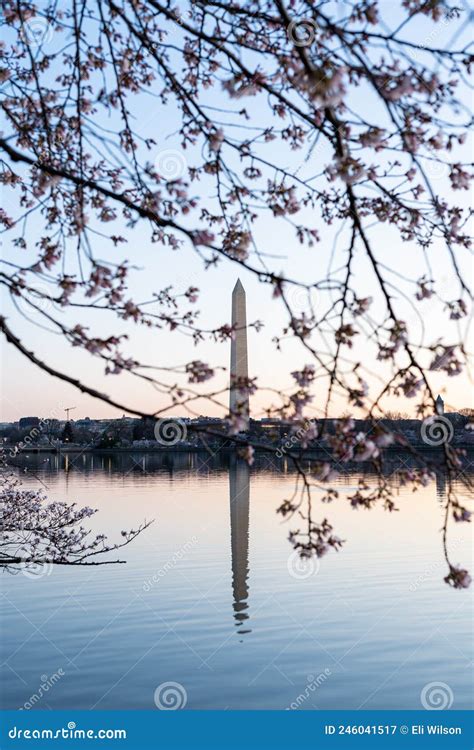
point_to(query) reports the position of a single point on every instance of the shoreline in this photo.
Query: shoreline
(390, 450)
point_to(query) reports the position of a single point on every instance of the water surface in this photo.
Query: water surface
(211, 598)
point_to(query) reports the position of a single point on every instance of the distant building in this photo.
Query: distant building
(439, 405)
(28, 422)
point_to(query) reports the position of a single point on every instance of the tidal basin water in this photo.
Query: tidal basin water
(212, 599)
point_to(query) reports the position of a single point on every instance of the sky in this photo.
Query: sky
(28, 391)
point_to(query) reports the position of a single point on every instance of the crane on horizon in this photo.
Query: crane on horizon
(67, 410)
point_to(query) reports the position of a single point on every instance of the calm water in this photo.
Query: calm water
(210, 598)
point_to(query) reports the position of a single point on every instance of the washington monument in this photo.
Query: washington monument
(239, 402)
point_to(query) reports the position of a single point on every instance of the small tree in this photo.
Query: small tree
(36, 533)
(67, 435)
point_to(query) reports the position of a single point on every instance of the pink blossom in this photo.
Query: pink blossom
(361, 305)
(462, 514)
(199, 372)
(305, 376)
(424, 291)
(203, 237)
(373, 137)
(324, 472)
(460, 179)
(458, 577)
(458, 309)
(236, 243)
(247, 454)
(216, 139)
(446, 359)
(349, 169)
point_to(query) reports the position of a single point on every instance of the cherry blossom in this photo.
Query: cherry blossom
(360, 127)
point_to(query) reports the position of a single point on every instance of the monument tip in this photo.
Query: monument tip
(239, 286)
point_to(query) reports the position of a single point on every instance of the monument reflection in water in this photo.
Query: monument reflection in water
(239, 493)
